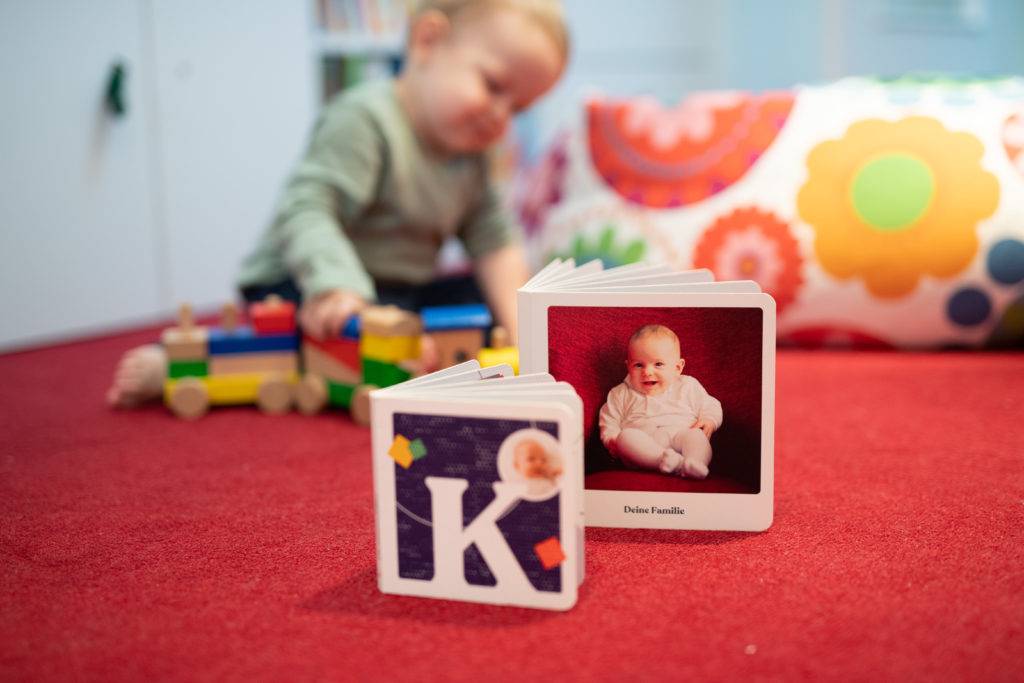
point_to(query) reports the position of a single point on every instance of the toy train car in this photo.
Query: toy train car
(271, 364)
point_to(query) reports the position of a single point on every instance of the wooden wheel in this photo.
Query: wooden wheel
(360, 408)
(189, 399)
(311, 394)
(275, 395)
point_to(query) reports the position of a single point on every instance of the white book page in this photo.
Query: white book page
(675, 277)
(542, 274)
(433, 376)
(619, 272)
(566, 266)
(724, 287)
(433, 383)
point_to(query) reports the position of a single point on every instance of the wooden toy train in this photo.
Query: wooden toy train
(270, 363)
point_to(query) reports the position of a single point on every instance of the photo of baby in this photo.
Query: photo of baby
(531, 456)
(658, 418)
(672, 396)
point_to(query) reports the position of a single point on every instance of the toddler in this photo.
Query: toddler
(396, 167)
(536, 465)
(658, 418)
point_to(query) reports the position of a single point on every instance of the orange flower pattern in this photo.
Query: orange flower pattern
(891, 202)
(751, 244)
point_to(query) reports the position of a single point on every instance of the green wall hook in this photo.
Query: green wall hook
(115, 99)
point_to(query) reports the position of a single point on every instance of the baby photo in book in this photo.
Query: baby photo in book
(676, 374)
(671, 396)
(478, 489)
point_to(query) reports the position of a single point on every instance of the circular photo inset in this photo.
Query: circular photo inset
(533, 458)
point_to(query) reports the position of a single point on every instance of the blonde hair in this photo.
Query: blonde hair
(546, 14)
(655, 331)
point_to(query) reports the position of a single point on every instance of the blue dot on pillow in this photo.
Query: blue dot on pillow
(1006, 262)
(969, 306)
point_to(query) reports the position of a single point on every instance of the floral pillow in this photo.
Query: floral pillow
(880, 213)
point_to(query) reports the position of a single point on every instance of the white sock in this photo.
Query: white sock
(670, 461)
(694, 468)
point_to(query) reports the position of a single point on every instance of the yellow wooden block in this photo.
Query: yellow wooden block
(389, 349)
(506, 354)
(286, 362)
(238, 389)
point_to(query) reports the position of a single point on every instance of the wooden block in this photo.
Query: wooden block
(346, 351)
(390, 349)
(383, 374)
(190, 343)
(457, 346)
(272, 316)
(507, 354)
(461, 317)
(187, 368)
(245, 340)
(316, 362)
(352, 328)
(229, 317)
(340, 394)
(389, 321)
(500, 337)
(274, 361)
(239, 389)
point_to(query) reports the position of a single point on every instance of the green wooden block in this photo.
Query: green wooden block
(418, 449)
(383, 374)
(187, 368)
(339, 394)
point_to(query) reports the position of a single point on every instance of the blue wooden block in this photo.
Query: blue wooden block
(462, 317)
(351, 329)
(243, 339)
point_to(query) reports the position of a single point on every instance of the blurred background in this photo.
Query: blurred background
(144, 141)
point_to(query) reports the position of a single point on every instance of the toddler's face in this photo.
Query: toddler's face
(531, 459)
(653, 364)
(492, 66)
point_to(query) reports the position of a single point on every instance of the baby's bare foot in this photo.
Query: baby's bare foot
(694, 468)
(139, 376)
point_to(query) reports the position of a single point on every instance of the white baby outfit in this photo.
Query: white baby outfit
(654, 432)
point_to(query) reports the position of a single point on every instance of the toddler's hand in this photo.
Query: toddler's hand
(704, 426)
(325, 314)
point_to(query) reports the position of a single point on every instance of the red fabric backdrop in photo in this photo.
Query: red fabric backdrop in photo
(722, 349)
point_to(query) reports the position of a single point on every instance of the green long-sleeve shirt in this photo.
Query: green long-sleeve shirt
(369, 203)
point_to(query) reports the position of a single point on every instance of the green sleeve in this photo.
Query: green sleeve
(488, 226)
(334, 183)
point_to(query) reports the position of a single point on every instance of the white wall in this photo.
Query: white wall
(107, 221)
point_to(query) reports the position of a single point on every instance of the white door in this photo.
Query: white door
(78, 241)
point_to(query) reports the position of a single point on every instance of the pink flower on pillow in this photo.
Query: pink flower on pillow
(542, 186)
(693, 118)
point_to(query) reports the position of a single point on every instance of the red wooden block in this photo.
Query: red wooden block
(272, 317)
(344, 350)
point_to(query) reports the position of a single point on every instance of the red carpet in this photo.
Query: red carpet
(134, 546)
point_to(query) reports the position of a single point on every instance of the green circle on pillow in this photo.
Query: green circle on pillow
(890, 192)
